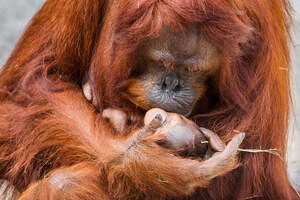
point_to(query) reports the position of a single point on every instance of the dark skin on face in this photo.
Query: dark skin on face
(173, 78)
(174, 72)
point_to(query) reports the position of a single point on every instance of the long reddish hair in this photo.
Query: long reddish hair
(61, 45)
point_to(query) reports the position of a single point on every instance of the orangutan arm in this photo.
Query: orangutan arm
(78, 182)
(73, 135)
(126, 168)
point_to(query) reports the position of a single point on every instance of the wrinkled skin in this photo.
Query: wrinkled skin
(174, 73)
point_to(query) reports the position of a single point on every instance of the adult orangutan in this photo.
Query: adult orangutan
(219, 63)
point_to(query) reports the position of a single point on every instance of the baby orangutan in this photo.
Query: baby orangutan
(176, 132)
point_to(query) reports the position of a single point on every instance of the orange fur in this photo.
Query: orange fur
(47, 127)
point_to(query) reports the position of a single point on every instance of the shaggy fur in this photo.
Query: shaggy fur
(52, 137)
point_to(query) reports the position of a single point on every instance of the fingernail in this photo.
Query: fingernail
(203, 129)
(158, 116)
(243, 134)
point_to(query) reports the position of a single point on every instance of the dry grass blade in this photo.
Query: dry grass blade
(271, 151)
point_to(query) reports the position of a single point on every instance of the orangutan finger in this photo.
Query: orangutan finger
(151, 128)
(155, 123)
(233, 145)
(117, 118)
(87, 91)
(152, 113)
(214, 140)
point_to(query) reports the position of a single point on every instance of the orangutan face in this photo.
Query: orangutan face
(173, 71)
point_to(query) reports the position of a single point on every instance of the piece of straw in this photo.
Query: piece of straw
(271, 151)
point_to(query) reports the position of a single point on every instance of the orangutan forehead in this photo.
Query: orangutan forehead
(188, 48)
(139, 21)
